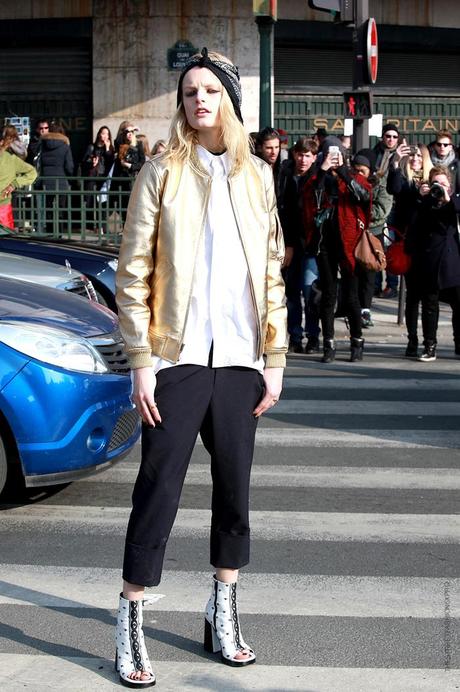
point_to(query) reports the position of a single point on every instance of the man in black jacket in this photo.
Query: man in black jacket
(301, 270)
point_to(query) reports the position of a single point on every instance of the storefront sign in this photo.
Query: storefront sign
(403, 123)
(179, 54)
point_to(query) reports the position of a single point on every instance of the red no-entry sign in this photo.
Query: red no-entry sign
(372, 50)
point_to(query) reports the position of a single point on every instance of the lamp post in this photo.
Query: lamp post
(265, 16)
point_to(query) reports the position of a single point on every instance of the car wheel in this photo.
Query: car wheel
(3, 466)
(101, 299)
(12, 484)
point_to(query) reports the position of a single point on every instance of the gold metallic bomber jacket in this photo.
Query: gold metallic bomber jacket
(166, 217)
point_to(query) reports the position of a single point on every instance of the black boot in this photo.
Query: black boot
(429, 352)
(328, 351)
(312, 345)
(356, 346)
(412, 346)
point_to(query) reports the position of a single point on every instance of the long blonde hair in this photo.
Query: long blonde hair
(427, 165)
(183, 138)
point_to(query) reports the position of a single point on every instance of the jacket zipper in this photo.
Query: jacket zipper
(251, 285)
(194, 266)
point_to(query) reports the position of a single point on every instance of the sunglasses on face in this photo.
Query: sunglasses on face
(391, 136)
(129, 132)
(443, 144)
(43, 128)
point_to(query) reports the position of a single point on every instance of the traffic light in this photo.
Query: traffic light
(343, 10)
(357, 105)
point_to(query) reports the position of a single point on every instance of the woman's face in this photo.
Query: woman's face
(442, 180)
(361, 168)
(130, 134)
(201, 96)
(104, 135)
(416, 161)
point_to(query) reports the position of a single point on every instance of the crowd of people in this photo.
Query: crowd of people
(49, 154)
(327, 197)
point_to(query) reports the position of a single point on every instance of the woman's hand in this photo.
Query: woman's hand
(424, 189)
(402, 149)
(273, 379)
(288, 255)
(144, 382)
(7, 191)
(328, 162)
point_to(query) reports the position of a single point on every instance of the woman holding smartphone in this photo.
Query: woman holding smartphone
(337, 205)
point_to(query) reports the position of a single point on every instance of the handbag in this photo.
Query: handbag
(369, 252)
(398, 261)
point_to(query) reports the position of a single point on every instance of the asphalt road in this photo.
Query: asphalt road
(354, 580)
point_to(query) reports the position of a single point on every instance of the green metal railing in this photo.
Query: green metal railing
(78, 209)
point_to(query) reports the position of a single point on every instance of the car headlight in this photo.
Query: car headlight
(53, 346)
(113, 264)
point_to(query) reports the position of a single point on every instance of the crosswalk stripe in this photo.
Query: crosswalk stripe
(374, 384)
(271, 594)
(86, 674)
(303, 436)
(265, 525)
(367, 408)
(313, 477)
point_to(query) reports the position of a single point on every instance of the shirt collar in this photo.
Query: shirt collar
(206, 159)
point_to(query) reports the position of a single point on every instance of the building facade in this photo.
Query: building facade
(97, 62)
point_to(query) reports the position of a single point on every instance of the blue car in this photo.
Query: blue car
(97, 264)
(65, 408)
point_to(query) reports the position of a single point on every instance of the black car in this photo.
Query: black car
(99, 265)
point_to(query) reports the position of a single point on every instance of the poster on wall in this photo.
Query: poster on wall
(22, 125)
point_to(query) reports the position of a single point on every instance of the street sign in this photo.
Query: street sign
(357, 105)
(179, 54)
(343, 10)
(372, 50)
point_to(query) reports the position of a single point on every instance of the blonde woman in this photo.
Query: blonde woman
(407, 178)
(202, 313)
(14, 173)
(158, 147)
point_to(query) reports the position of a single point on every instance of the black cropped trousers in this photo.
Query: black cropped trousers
(217, 403)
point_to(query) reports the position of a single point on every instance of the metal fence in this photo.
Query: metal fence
(78, 209)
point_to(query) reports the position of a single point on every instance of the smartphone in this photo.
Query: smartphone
(334, 150)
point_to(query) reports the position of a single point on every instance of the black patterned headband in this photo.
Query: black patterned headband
(225, 72)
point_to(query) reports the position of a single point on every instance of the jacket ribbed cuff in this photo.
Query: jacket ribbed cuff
(275, 360)
(140, 359)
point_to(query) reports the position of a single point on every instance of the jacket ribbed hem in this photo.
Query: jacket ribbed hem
(275, 360)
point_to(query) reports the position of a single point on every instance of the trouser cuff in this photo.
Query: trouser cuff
(142, 565)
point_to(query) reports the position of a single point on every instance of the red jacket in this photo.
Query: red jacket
(353, 210)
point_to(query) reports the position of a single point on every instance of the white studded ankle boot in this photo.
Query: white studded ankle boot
(131, 655)
(222, 630)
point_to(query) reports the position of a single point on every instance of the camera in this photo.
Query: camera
(413, 150)
(437, 191)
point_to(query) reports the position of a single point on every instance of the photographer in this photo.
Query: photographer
(433, 243)
(336, 206)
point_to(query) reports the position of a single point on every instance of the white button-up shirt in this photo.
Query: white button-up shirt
(221, 311)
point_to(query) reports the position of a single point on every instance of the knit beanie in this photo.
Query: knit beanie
(388, 127)
(227, 73)
(365, 157)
